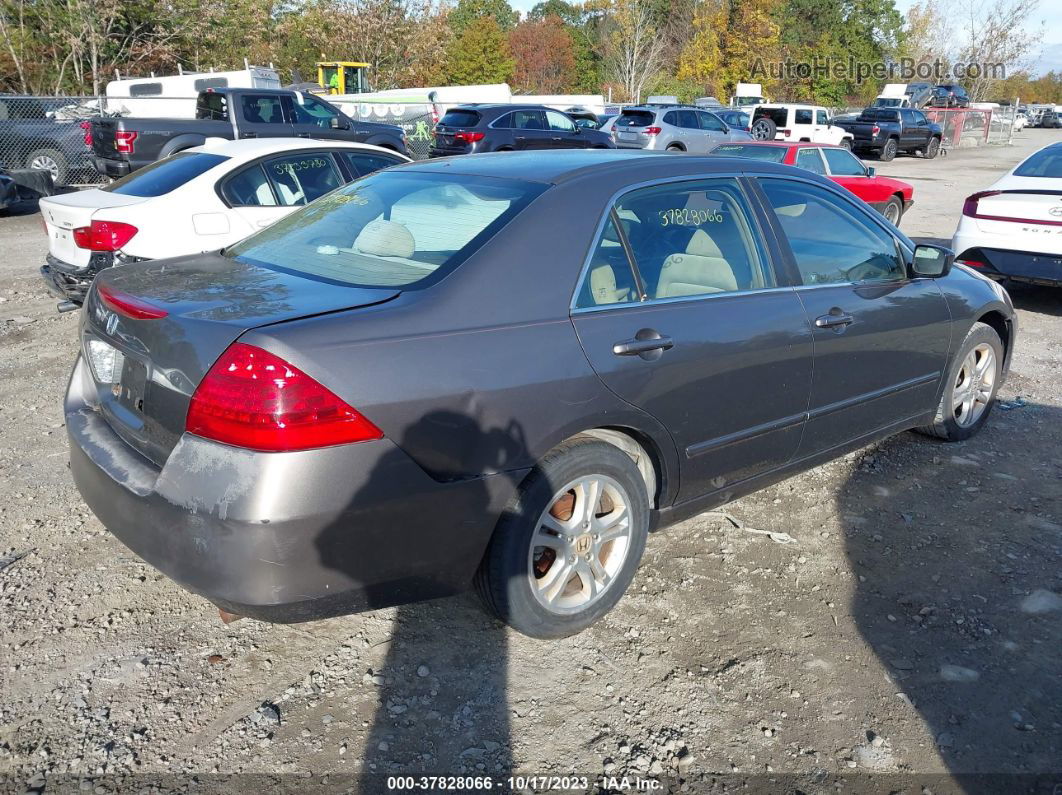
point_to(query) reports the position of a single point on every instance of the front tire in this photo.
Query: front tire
(846, 143)
(569, 543)
(932, 149)
(970, 390)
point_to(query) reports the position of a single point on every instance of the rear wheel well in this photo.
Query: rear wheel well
(999, 323)
(642, 452)
(678, 147)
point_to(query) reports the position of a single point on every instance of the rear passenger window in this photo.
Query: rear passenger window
(694, 238)
(249, 188)
(811, 160)
(362, 164)
(832, 241)
(299, 179)
(609, 278)
(802, 116)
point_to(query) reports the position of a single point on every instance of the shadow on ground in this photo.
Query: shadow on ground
(957, 592)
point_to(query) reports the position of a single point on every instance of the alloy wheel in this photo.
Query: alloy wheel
(892, 213)
(45, 163)
(974, 385)
(580, 544)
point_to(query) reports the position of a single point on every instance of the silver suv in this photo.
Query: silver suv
(675, 128)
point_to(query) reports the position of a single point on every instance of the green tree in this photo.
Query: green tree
(480, 54)
(468, 11)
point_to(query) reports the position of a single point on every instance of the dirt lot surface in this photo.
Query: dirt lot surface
(912, 629)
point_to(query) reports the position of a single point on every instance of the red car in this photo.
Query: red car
(890, 197)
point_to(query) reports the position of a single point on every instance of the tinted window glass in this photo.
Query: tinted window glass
(204, 83)
(879, 114)
(262, 109)
(301, 178)
(249, 188)
(363, 163)
(312, 111)
(671, 117)
(778, 115)
(392, 228)
(460, 118)
(843, 163)
(212, 106)
(165, 175)
(1045, 163)
(609, 279)
(558, 122)
(774, 154)
(503, 122)
(710, 122)
(694, 238)
(810, 159)
(832, 242)
(145, 89)
(821, 117)
(636, 118)
(529, 120)
(802, 116)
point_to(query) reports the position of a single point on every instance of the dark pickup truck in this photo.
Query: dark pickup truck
(31, 139)
(889, 131)
(121, 145)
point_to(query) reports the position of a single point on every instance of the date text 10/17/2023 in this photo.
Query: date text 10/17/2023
(538, 784)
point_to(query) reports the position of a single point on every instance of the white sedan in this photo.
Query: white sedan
(1013, 230)
(201, 199)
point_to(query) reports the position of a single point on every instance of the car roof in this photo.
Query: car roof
(250, 148)
(503, 106)
(786, 144)
(557, 167)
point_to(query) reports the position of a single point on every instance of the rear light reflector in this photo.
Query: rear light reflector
(875, 130)
(787, 133)
(123, 141)
(128, 305)
(87, 127)
(469, 137)
(254, 399)
(104, 235)
(653, 130)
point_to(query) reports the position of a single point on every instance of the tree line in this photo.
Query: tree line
(627, 48)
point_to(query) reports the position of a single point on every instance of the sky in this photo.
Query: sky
(1049, 58)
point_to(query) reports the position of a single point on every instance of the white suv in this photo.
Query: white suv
(797, 123)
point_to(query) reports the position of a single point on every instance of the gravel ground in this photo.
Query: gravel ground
(910, 633)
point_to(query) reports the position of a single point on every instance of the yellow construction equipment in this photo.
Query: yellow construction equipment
(343, 77)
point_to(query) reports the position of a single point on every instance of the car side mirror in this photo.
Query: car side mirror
(871, 171)
(337, 123)
(932, 261)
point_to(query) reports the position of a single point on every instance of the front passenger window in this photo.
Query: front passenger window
(832, 241)
(558, 122)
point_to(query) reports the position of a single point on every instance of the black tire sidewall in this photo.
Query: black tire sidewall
(978, 334)
(933, 149)
(888, 152)
(505, 566)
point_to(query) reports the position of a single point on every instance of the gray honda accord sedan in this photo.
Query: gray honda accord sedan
(505, 370)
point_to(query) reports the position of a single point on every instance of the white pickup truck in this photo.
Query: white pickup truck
(778, 122)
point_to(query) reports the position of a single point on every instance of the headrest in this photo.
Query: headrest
(701, 245)
(603, 285)
(385, 239)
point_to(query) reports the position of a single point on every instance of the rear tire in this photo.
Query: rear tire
(763, 130)
(970, 388)
(675, 148)
(888, 152)
(50, 160)
(548, 583)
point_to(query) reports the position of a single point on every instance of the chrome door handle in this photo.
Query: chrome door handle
(636, 347)
(836, 320)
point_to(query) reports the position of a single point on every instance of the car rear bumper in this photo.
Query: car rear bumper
(111, 168)
(1019, 266)
(69, 282)
(285, 537)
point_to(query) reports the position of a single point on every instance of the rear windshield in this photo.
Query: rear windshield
(460, 118)
(1045, 163)
(879, 114)
(773, 153)
(390, 229)
(635, 118)
(165, 175)
(777, 115)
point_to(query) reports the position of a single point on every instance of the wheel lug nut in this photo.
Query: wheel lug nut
(597, 537)
(571, 558)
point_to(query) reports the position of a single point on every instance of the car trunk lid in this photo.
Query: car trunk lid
(145, 368)
(63, 214)
(1033, 207)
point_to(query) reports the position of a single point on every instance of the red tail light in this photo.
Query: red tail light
(127, 305)
(787, 133)
(87, 127)
(254, 399)
(104, 235)
(123, 141)
(969, 207)
(469, 137)
(653, 130)
(875, 130)
(972, 263)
